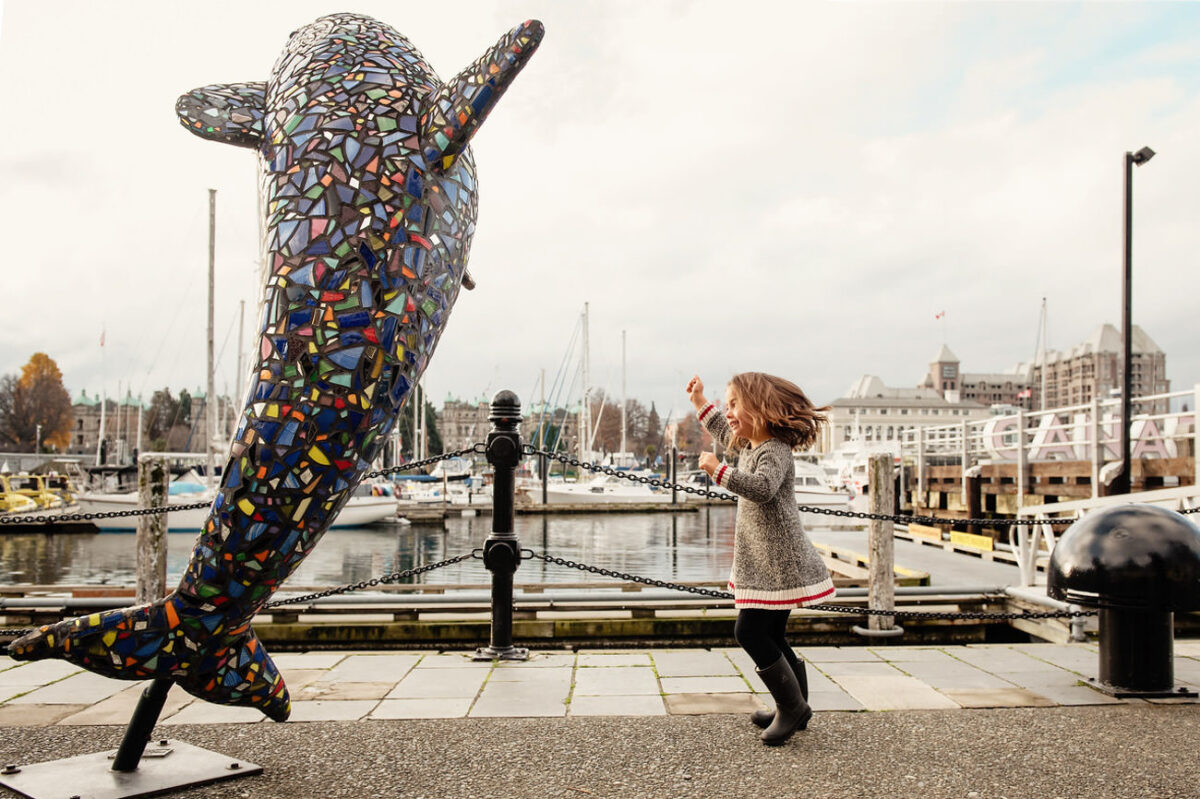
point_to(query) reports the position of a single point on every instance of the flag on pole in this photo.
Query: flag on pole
(101, 337)
(939, 314)
(1027, 393)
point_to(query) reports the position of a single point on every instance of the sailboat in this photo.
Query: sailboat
(366, 506)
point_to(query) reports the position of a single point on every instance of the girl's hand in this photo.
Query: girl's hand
(695, 392)
(708, 462)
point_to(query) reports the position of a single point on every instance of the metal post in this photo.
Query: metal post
(882, 589)
(965, 460)
(674, 473)
(1196, 435)
(921, 500)
(544, 469)
(1021, 455)
(137, 734)
(502, 550)
(1097, 446)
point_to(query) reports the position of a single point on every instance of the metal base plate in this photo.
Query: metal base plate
(162, 768)
(501, 653)
(1117, 692)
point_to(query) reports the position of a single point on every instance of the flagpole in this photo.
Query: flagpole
(103, 400)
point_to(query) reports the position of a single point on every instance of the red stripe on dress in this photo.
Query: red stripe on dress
(783, 601)
(721, 474)
(705, 410)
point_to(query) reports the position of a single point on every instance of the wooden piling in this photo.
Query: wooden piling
(882, 590)
(152, 529)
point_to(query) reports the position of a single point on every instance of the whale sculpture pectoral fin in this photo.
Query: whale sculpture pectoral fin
(225, 112)
(458, 107)
(175, 638)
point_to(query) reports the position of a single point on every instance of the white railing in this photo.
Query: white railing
(1032, 542)
(1071, 433)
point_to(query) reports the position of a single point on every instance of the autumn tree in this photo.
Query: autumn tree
(35, 399)
(433, 437)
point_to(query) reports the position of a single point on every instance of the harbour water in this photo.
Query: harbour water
(667, 546)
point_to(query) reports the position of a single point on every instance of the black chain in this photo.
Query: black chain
(87, 517)
(115, 514)
(387, 578)
(15, 632)
(846, 514)
(905, 614)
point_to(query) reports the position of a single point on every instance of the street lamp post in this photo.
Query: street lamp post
(37, 440)
(1124, 482)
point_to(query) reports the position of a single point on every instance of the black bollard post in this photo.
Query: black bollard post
(545, 472)
(137, 734)
(674, 473)
(502, 550)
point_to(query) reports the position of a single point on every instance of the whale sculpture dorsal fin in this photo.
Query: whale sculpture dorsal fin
(225, 112)
(458, 108)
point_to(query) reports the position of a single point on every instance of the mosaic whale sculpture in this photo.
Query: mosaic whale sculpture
(370, 206)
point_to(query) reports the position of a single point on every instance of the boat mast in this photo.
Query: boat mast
(1043, 353)
(623, 401)
(210, 407)
(585, 409)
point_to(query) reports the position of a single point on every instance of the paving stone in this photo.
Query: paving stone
(373, 668)
(452, 660)
(296, 679)
(84, 688)
(954, 675)
(1074, 695)
(628, 681)
(602, 660)
(741, 661)
(877, 668)
(703, 685)
(1051, 677)
(442, 683)
(700, 704)
(308, 660)
(548, 677)
(540, 660)
(613, 705)
(36, 715)
(1186, 671)
(520, 699)
(692, 663)
(831, 700)
(996, 697)
(41, 672)
(817, 681)
(321, 710)
(835, 654)
(1187, 648)
(342, 691)
(436, 708)
(998, 659)
(201, 712)
(904, 654)
(1078, 658)
(893, 693)
(118, 708)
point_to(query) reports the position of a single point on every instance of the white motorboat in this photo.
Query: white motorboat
(602, 489)
(369, 504)
(813, 489)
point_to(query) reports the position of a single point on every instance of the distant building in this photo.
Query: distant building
(465, 422)
(1092, 368)
(873, 412)
(121, 423)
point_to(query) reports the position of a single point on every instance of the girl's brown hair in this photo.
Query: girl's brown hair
(779, 406)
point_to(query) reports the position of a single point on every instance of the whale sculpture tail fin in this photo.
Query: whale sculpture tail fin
(458, 108)
(171, 638)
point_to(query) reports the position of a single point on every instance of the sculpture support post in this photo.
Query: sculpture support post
(151, 529)
(502, 550)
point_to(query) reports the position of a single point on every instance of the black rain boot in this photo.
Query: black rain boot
(763, 718)
(791, 709)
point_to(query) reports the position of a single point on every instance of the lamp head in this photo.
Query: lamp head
(1142, 156)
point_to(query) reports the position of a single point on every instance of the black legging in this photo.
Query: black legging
(763, 634)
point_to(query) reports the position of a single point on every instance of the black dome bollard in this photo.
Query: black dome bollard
(1138, 564)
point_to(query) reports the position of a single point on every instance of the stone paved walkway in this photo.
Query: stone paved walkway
(349, 686)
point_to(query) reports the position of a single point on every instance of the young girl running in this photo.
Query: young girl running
(775, 566)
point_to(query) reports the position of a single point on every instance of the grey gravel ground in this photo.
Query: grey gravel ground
(1134, 750)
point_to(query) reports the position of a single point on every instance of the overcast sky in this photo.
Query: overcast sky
(793, 187)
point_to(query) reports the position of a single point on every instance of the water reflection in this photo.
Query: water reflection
(668, 546)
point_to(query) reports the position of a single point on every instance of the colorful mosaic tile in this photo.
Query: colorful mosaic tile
(370, 205)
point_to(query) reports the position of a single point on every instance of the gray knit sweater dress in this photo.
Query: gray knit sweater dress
(775, 566)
